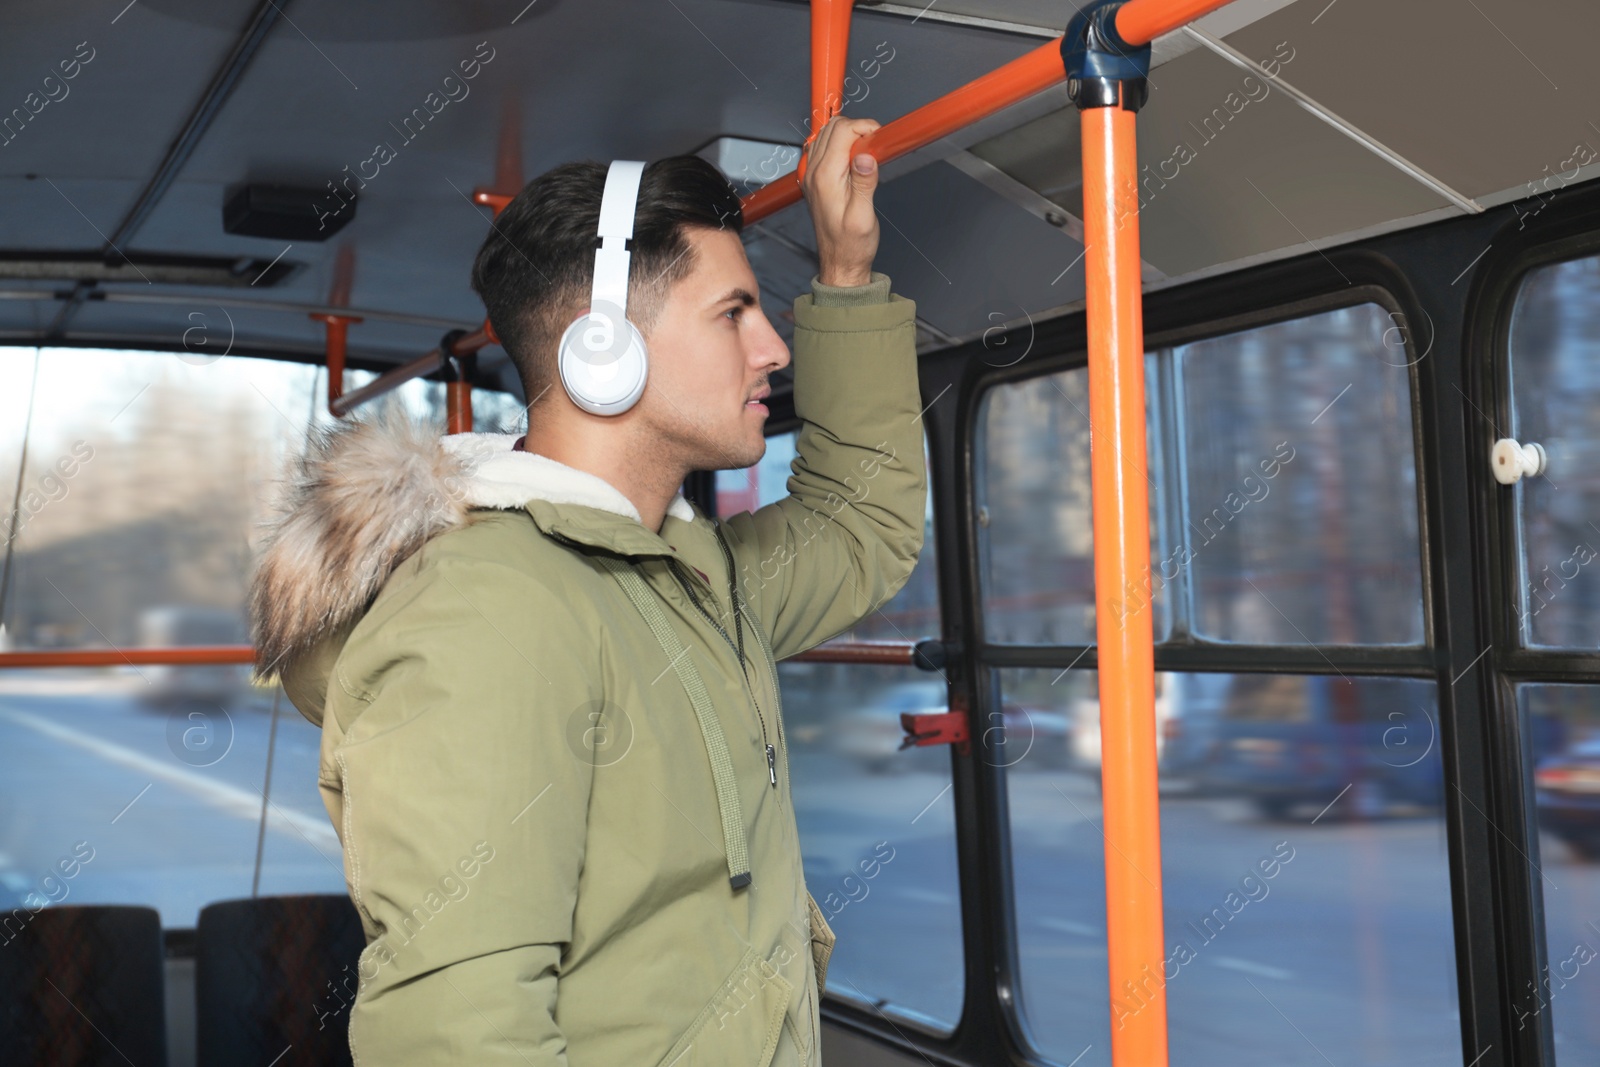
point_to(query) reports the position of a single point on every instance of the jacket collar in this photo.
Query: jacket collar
(498, 477)
(368, 493)
(563, 501)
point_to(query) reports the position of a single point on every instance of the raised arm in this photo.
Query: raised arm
(463, 816)
(848, 535)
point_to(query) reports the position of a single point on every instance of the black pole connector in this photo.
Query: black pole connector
(930, 654)
(450, 364)
(1103, 70)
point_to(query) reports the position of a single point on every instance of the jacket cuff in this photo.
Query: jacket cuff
(875, 291)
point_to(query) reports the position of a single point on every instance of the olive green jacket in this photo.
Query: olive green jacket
(556, 857)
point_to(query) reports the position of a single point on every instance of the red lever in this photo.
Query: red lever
(935, 728)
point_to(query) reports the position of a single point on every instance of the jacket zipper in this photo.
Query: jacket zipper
(740, 608)
(674, 565)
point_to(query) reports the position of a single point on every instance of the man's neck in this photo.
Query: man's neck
(643, 479)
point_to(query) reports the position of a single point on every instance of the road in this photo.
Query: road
(1344, 956)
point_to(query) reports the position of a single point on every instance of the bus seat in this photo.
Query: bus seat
(82, 985)
(275, 976)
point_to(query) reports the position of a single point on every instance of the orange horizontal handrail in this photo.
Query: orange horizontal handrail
(1141, 21)
(1000, 88)
(423, 365)
(193, 656)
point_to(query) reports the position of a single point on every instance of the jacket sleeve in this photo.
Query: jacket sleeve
(847, 536)
(464, 807)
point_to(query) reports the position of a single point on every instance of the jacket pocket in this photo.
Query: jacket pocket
(740, 1024)
(822, 940)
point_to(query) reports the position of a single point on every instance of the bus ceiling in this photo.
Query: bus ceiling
(257, 102)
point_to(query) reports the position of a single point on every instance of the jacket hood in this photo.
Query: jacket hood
(366, 495)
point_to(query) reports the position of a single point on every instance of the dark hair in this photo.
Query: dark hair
(536, 267)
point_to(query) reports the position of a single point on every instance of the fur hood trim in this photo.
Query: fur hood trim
(369, 493)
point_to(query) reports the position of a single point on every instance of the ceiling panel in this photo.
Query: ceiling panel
(970, 258)
(1229, 169)
(1485, 95)
(99, 134)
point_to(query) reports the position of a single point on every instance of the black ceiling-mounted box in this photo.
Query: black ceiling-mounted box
(285, 212)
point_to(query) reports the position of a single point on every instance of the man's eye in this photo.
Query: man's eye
(733, 313)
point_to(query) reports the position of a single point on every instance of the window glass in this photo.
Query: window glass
(1300, 517)
(147, 786)
(492, 410)
(877, 832)
(1305, 875)
(1555, 375)
(877, 825)
(146, 475)
(1561, 740)
(1035, 524)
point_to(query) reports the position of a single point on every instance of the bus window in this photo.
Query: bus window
(877, 825)
(1305, 870)
(1561, 731)
(146, 476)
(1035, 529)
(1555, 402)
(1555, 377)
(1301, 518)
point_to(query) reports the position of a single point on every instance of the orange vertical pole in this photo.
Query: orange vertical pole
(1122, 589)
(830, 41)
(337, 341)
(458, 406)
(338, 326)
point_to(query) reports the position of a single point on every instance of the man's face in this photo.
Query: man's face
(711, 352)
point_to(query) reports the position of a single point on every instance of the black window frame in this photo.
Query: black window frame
(1450, 279)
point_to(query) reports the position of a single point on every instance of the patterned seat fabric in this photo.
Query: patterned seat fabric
(274, 981)
(82, 986)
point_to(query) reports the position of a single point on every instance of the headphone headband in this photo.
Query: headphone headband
(617, 207)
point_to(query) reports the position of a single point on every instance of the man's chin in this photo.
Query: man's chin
(740, 453)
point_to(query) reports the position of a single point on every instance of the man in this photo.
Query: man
(552, 737)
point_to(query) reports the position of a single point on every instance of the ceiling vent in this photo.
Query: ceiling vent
(286, 212)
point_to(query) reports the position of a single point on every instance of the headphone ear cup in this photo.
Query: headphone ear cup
(603, 362)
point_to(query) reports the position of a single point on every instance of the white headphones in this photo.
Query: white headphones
(603, 359)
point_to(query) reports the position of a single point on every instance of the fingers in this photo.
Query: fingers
(831, 153)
